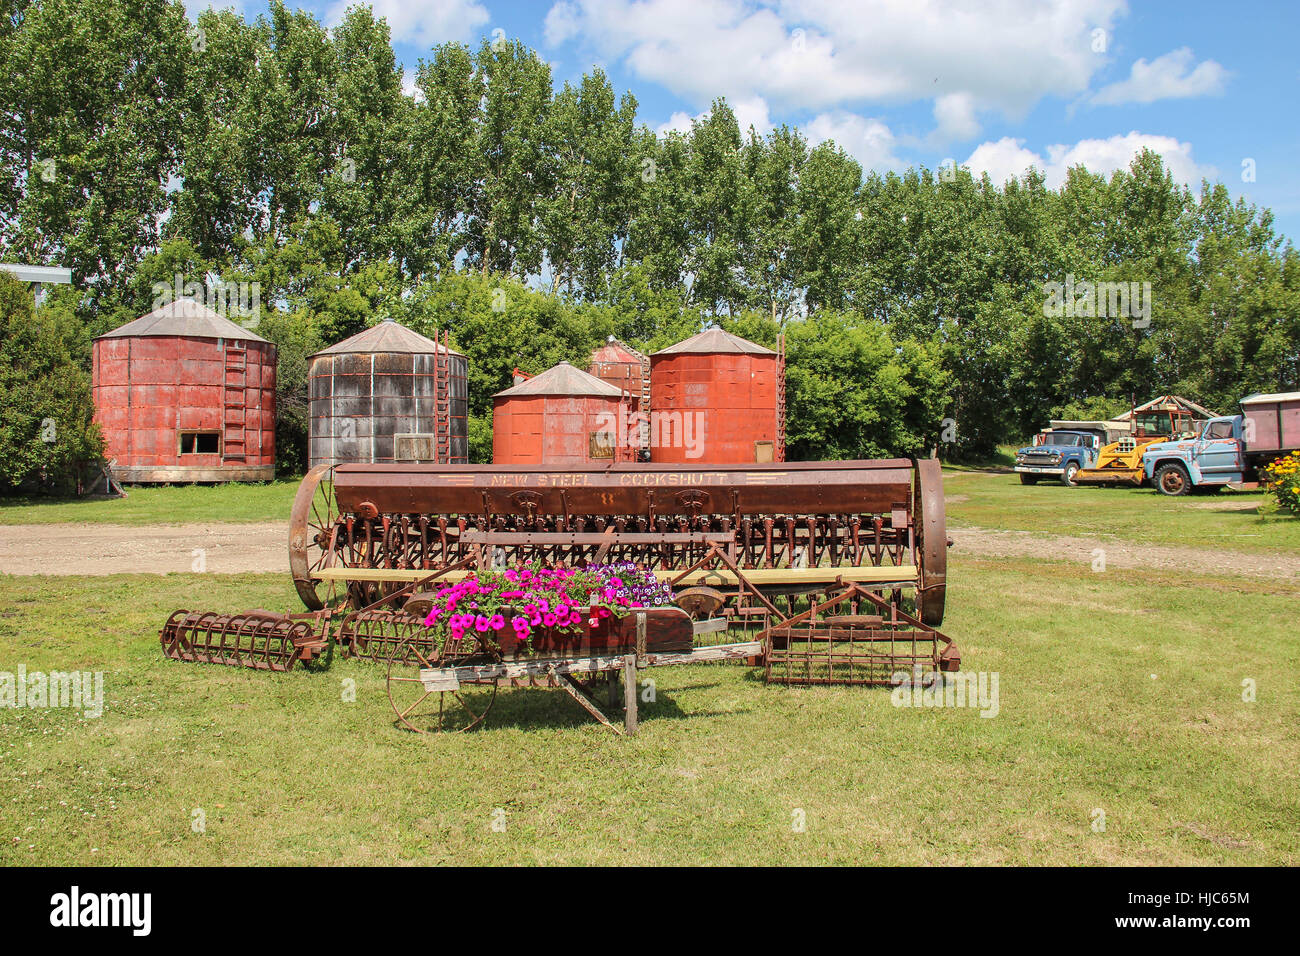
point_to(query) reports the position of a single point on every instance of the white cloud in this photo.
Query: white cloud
(753, 112)
(561, 23)
(422, 22)
(1167, 77)
(1008, 157)
(869, 141)
(954, 116)
(679, 122)
(826, 54)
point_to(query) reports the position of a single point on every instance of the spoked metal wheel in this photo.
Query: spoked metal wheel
(931, 550)
(424, 708)
(313, 537)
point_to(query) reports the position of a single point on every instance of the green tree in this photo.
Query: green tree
(438, 169)
(512, 166)
(585, 216)
(854, 392)
(48, 440)
(90, 130)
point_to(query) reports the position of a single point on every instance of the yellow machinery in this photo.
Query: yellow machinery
(1120, 462)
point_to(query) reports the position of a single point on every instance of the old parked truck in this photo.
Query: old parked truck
(1060, 453)
(1228, 450)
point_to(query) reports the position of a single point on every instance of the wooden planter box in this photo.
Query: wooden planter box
(668, 630)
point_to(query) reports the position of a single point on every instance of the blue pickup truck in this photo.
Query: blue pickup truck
(1058, 453)
(1230, 449)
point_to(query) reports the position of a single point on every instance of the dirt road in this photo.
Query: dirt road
(235, 548)
(97, 549)
(1126, 554)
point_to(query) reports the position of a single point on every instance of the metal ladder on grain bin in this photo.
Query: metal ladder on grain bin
(780, 398)
(442, 398)
(234, 417)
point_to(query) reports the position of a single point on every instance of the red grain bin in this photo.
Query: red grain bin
(563, 416)
(183, 394)
(715, 399)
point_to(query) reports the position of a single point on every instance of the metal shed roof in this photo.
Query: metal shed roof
(387, 336)
(28, 273)
(1271, 397)
(1164, 401)
(184, 317)
(714, 341)
(562, 379)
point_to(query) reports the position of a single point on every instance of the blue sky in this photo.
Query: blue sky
(994, 85)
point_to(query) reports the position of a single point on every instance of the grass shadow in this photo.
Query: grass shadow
(543, 708)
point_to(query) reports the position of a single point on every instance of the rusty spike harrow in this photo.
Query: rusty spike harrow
(256, 639)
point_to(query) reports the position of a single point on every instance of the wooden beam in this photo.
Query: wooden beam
(538, 667)
(629, 694)
(576, 691)
(887, 574)
(903, 574)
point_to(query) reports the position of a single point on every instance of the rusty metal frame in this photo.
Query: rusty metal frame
(811, 648)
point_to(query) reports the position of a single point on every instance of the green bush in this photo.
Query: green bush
(48, 439)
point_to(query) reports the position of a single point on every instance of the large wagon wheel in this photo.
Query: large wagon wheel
(425, 711)
(931, 541)
(313, 537)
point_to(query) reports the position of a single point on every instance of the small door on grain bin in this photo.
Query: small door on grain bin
(415, 447)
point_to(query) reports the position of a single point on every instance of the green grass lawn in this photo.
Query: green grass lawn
(1227, 519)
(1118, 692)
(161, 504)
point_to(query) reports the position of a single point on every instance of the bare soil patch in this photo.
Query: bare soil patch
(987, 542)
(99, 549)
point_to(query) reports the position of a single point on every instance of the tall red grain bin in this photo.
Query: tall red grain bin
(627, 369)
(184, 394)
(563, 416)
(716, 399)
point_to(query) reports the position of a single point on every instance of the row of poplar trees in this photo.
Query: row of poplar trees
(532, 222)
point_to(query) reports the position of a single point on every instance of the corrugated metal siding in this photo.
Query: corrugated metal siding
(149, 389)
(733, 400)
(361, 401)
(550, 429)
